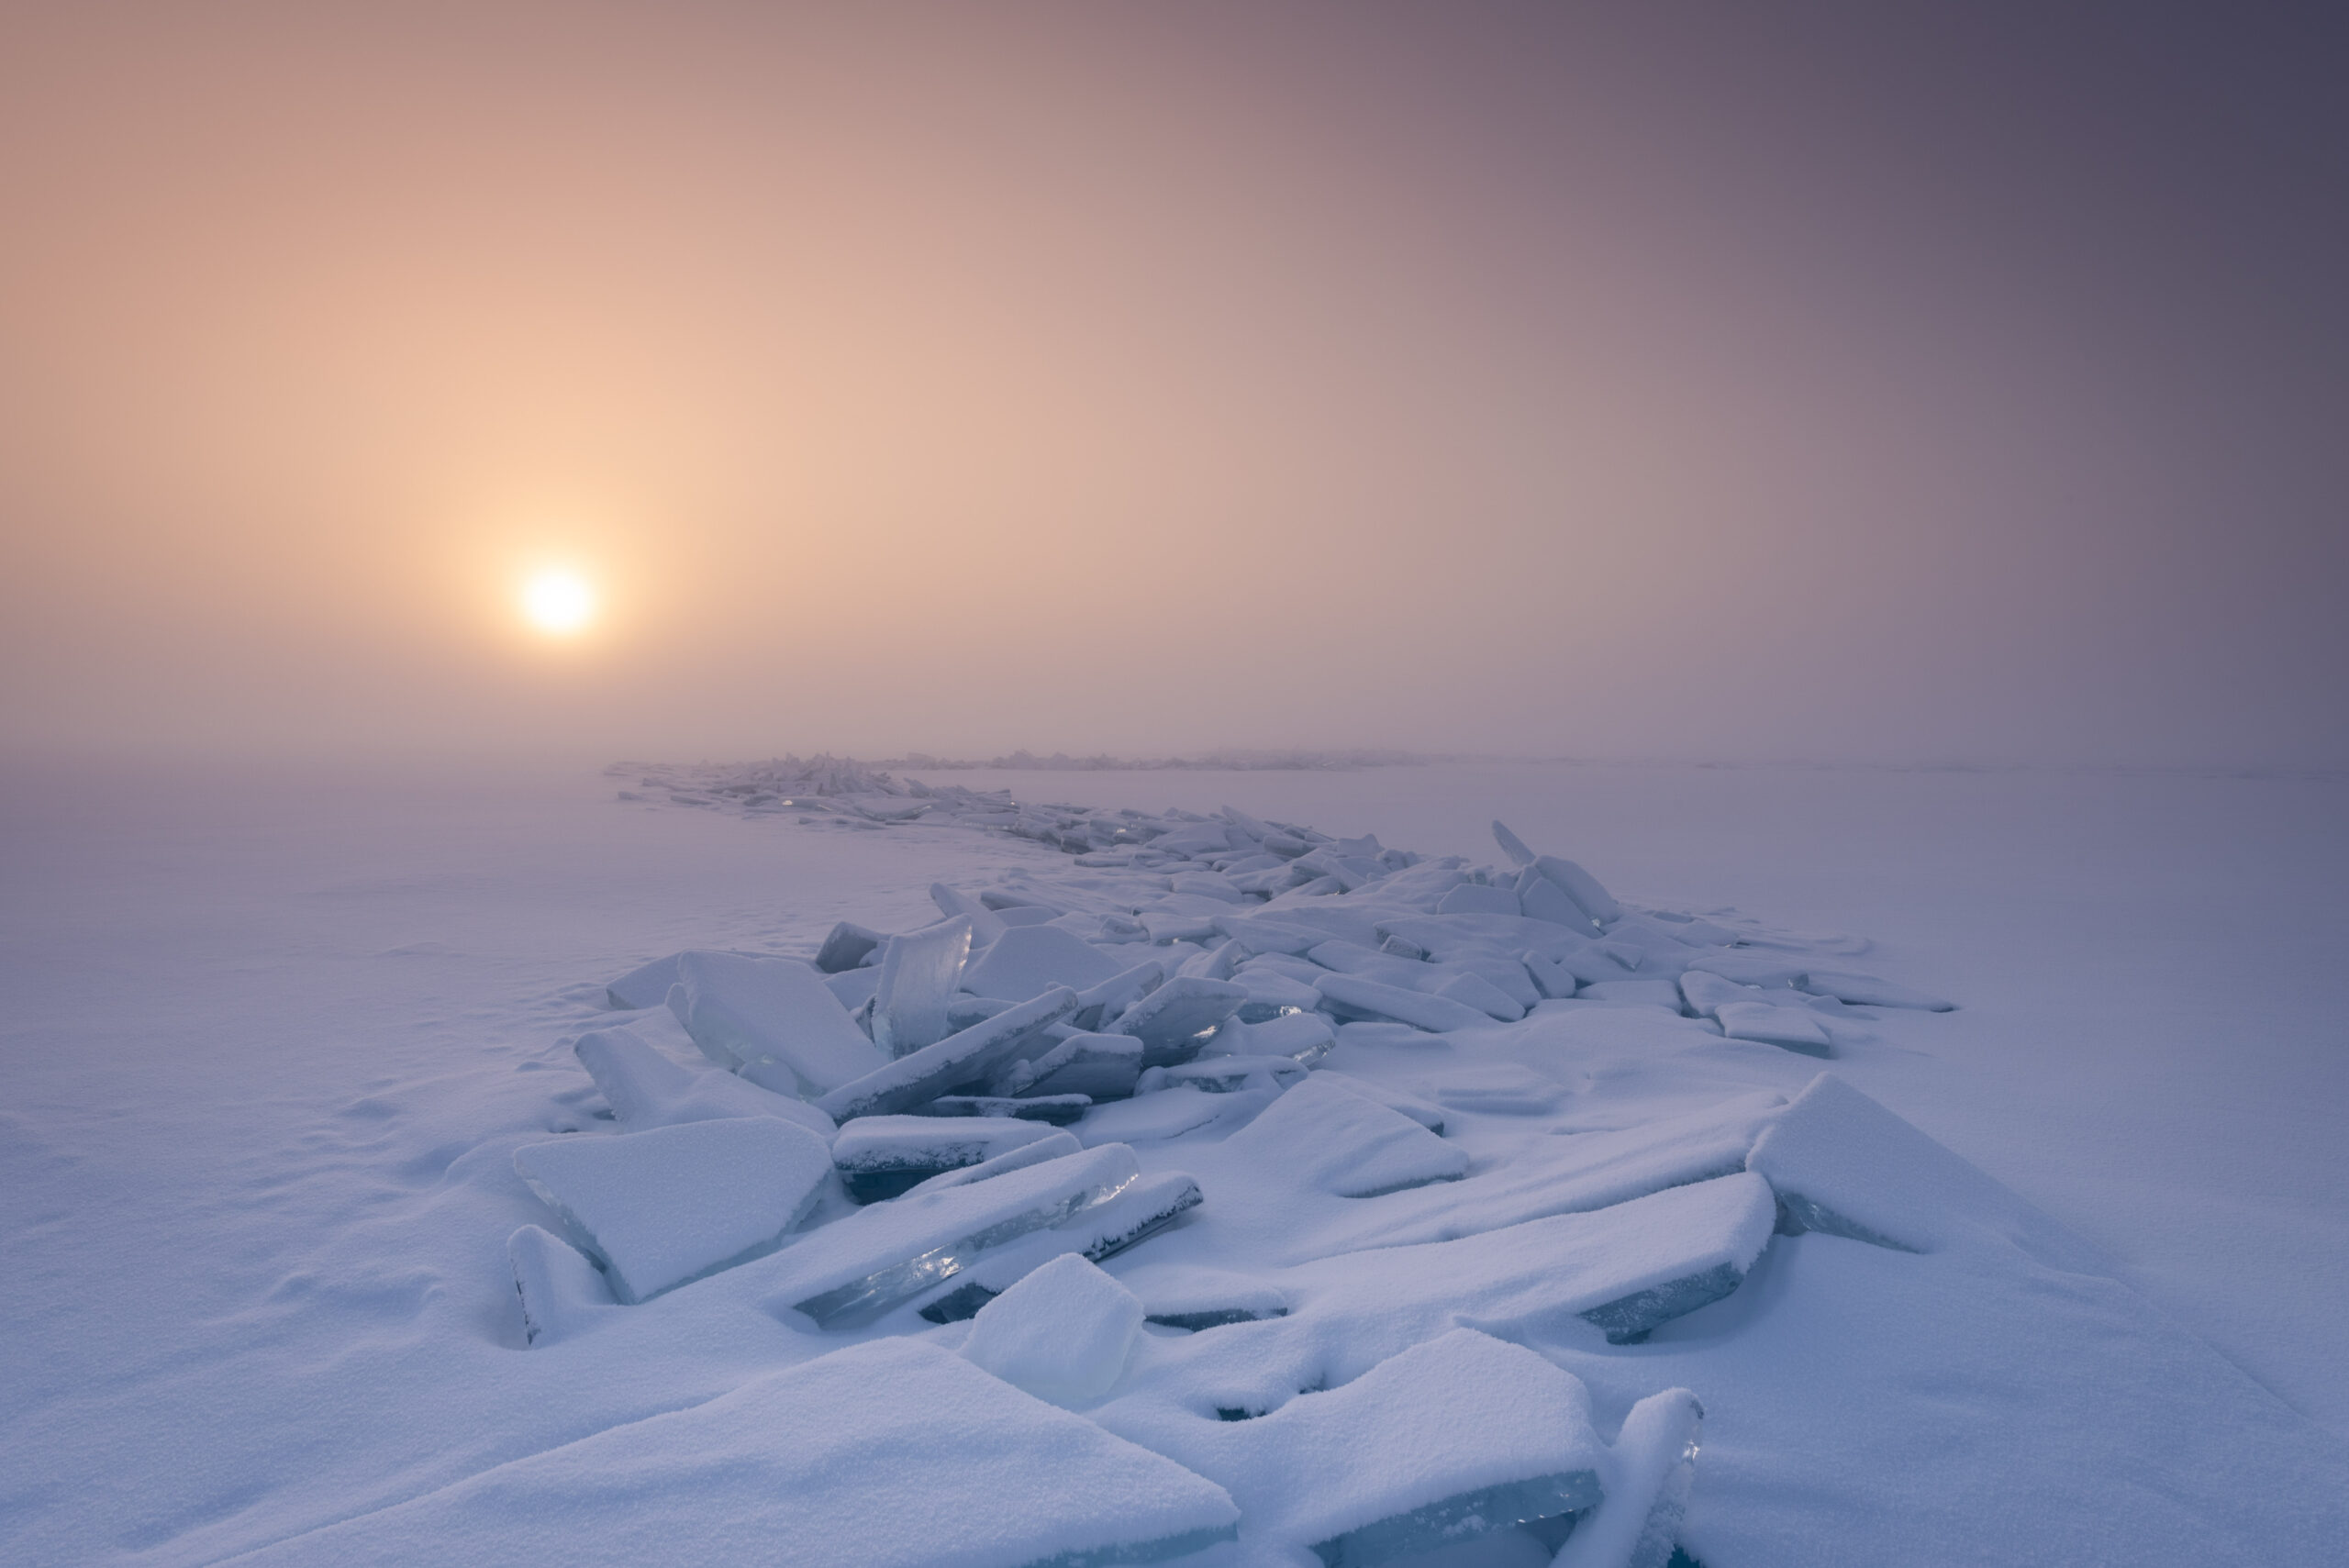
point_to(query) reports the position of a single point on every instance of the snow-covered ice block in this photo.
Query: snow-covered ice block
(646, 1089)
(1115, 994)
(1867, 991)
(1353, 996)
(1704, 993)
(772, 1020)
(671, 1205)
(1573, 1174)
(1686, 1273)
(1451, 1440)
(1501, 1088)
(647, 985)
(810, 1466)
(561, 1289)
(1581, 887)
(1844, 1165)
(1063, 1333)
(854, 987)
(1475, 991)
(1272, 992)
(1376, 1033)
(1545, 900)
(846, 947)
(1333, 1139)
(919, 971)
(881, 1156)
(1141, 1210)
(1642, 993)
(1030, 960)
(1792, 1028)
(1750, 968)
(855, 1269)
(1475, 898)
(1261, 933)
(1053, 1144)
(1650, 1470)
(1426, 1114)
(1099, 1066)
(1173, 1021)
(1227, 1074)
(1059, 1110)
(1172, 1113)
(968, 1057)
(1300, 1037)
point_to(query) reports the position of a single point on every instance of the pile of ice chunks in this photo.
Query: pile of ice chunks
(947, 1131)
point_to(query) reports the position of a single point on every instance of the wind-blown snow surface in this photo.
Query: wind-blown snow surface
(273, 1043)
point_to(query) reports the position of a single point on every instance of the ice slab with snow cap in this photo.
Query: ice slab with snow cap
(1063, 1333)
(879, 1157)
(772, 1020)
(664, 1208)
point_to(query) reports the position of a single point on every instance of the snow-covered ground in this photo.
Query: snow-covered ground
(275, 1033)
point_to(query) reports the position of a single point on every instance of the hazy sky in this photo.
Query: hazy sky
(1738, 381)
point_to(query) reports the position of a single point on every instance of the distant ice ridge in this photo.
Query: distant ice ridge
(1323, 1183)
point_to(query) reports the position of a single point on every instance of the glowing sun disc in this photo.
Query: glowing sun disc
(558, 602)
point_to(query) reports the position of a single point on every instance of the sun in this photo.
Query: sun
(559, 604)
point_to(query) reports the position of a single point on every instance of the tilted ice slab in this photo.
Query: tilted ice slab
(1029, 960)
(891, 1454)
(561, 1288)
(966, 1057)
(1443, 1442)
(1586, 1279)
(671, 1205)
(858, 1268)
(1336, 1141)
(881, 1156)
(918, 972)
(1139, 1210)
(647, 1089)
(1564, 1175)
(772, 1020)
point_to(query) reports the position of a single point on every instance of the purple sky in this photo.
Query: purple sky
(1858, 381)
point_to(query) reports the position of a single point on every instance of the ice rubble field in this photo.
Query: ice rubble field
(813, 1169)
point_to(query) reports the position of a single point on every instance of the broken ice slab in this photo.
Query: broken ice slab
(1260, 933)
(647, 985)
(1052, 1143)
(1497, 1436)
(854, 987)
(1029, 960)
(810, 1466)
(1662, 994)
(1790, 1029)
(1703, 992)
(1331, 1138)
(855, 1269)
(1058, 1110)
(1867, 991)
(1557, 982)
(1063, 1333)
(1115, 994)
(1545, 900)
(1581, 887)
(1478, 900)
(1475, 991)
(1301, 1037)
(847, 947)
(920, 971)
(1352, 996)
(968, 1057)
(1228, 1074)
(986, 927)
(1561, 1175)
(660, 1208)
(1511, 845)
(1099, 1066)
(1173, 1021)
(646, 1089)
(561, 1289)
(1142, 1210)
(881, 1156)
(1172, 1113)
(772, 1020)
(1651, 1468)
(1844, 1165)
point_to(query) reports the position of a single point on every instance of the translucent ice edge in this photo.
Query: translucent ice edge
(1159, 1550)
(863, 1300)
(1797, 1214)
(1626, 1321)
(1462, 1516)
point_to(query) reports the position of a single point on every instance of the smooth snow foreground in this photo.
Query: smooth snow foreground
(1223, 1193)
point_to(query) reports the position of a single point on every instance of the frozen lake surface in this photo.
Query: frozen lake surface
(275, 1034)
